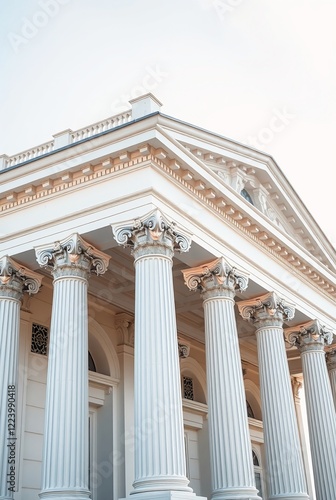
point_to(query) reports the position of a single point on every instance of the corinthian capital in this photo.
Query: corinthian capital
(72, 256)
(151, 232)
(310, 336)
(215, 278)
(267, 310)
(16, 279)
(124, 323)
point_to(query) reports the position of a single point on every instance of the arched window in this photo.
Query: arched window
(245, 194)
(92, 364)
(257, 472)
(188, 388)
(250, 412)
(255, 459)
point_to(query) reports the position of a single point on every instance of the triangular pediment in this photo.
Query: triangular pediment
(259, 182)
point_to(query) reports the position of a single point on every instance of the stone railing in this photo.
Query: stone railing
(29, 154)
(99, 127)
(63, 139)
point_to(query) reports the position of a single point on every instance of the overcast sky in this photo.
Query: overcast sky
(262, 72)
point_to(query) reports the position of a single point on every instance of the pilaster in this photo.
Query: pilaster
(311, 339)
(230, 446)
(331, 365)
(297, 387)
(160, 470)
(15, 280)
(284, 463)
(66, 413)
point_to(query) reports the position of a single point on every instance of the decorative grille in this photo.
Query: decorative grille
(188, 388)
(39, 341)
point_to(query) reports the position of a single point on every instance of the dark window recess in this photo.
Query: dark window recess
(245, 194)
(250, 412)
(92, 364)
(188, 388)
(39, 342)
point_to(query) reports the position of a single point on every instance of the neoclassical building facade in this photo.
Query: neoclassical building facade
(167, 310)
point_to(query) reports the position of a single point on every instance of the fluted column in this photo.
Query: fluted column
(311, 339)
(14, 281)
(65, 453)
(284, 463)
(159, 447)
(230, 445)
(331, 365)
(304, 437)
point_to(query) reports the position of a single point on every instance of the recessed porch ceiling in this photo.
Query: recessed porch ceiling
(116, 290)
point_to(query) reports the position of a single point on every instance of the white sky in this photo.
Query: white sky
(231, 66)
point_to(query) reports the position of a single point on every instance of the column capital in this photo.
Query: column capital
(310, 336)
(72, 256)
(331, 358)
(16, 279)
(124, 324)
(266, 310)
(217, 278)
(296, 386)
(151, 234)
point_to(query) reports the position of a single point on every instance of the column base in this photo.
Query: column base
(290, 496)
(164, 495)
(236, 494)
(65, 494)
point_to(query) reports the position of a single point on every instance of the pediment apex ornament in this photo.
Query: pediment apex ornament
(268, 308)
(151, 229)
(17, 279)
(215, 275)
(310, 336)
(72, 251)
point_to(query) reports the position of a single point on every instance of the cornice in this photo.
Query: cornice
(147, 155)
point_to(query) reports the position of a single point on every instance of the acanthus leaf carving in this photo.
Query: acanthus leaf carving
(151, 230)
(72, 255)
(268, 309)
(310, 336)
(16, 279)
(215, 276)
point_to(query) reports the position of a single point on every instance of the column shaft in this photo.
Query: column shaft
(159, 449)
(14, 281)
(282, 446)
(160, 469)
(65, 453)
(230, 445)
(321, 422)
(65, 461)
(9, 337)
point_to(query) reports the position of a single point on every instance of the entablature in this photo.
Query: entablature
(224, 200)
